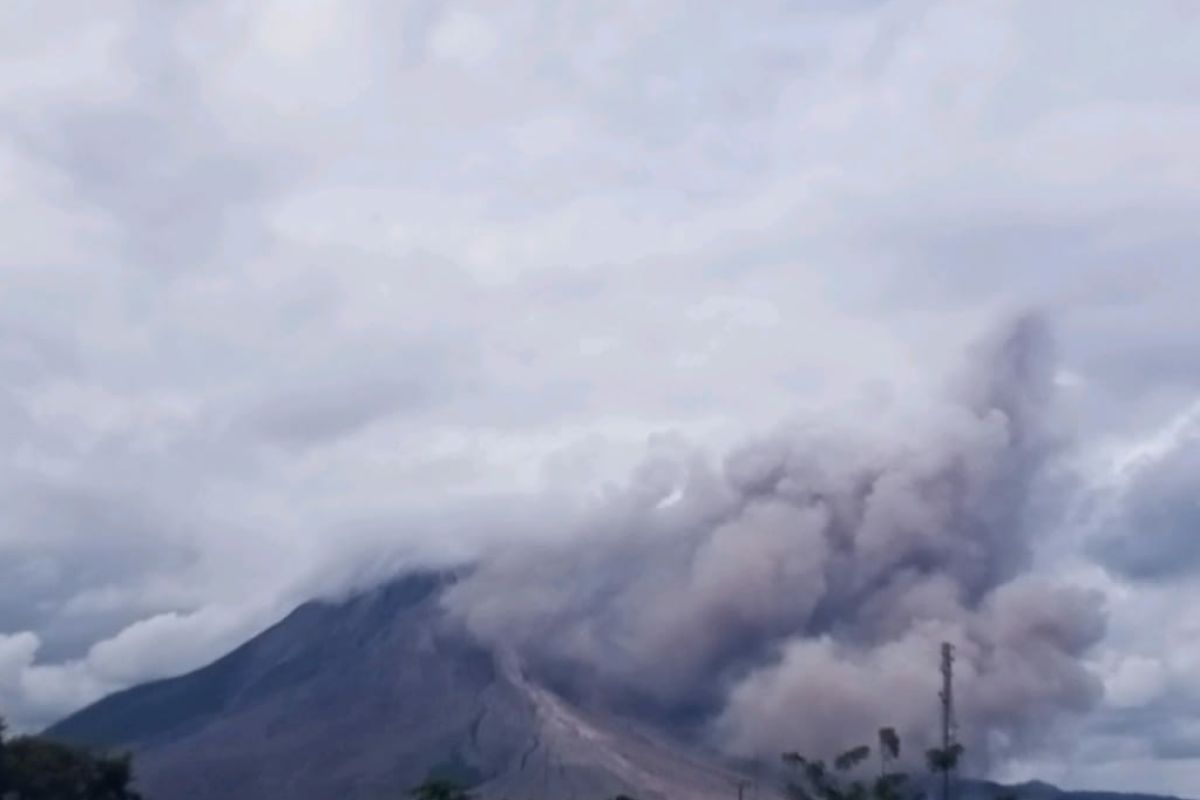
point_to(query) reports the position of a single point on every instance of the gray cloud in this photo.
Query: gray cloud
(179, 202)
(317, 413)
(90, 547)
(1155, 530)
(342, 398)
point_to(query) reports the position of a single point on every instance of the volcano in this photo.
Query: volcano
(367, 697)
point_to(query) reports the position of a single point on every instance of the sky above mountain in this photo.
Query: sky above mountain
(295, 293)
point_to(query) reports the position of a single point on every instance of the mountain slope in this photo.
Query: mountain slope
(366, 698)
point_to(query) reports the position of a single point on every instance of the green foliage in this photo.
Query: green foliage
(852, 758)
(944, 759)
(889, 743)
(890, 786)
(440, 789)
(817, 782)
(40, 769)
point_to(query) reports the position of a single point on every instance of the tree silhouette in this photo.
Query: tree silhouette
(889, 746)
(816, 781)
(3, 759)
(944, 760)
(40, 769)
(440, 789)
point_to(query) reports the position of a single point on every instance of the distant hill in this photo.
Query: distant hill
(1037, 790)
(363, 699)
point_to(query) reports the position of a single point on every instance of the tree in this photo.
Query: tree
(890, 784)
(818, 782)
(40, 769)
(3, 760)
(112, 776)
(944, 760)
(889, 748)
(440, 789)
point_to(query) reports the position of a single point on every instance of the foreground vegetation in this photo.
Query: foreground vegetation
(34, 768)
(813, 779)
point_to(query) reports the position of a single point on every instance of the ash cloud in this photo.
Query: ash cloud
(795, 596)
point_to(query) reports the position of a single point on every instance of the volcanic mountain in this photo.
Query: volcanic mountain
(364, 698)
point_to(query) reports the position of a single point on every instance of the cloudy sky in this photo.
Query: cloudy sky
(292, 290)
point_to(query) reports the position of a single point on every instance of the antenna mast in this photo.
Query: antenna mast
(949, 726)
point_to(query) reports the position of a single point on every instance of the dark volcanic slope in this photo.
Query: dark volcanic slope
(365, 699)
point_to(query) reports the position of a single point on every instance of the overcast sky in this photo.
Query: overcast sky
(291, 289)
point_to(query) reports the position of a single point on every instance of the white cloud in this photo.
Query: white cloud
(32, 691)
(463, 37)
(29, 690)
(1135, 681)
(168, 644)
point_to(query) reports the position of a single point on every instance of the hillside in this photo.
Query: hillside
(365, 698)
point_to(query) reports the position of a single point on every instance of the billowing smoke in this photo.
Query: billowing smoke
(797, 596)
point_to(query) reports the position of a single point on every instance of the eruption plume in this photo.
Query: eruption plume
(795, 597)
